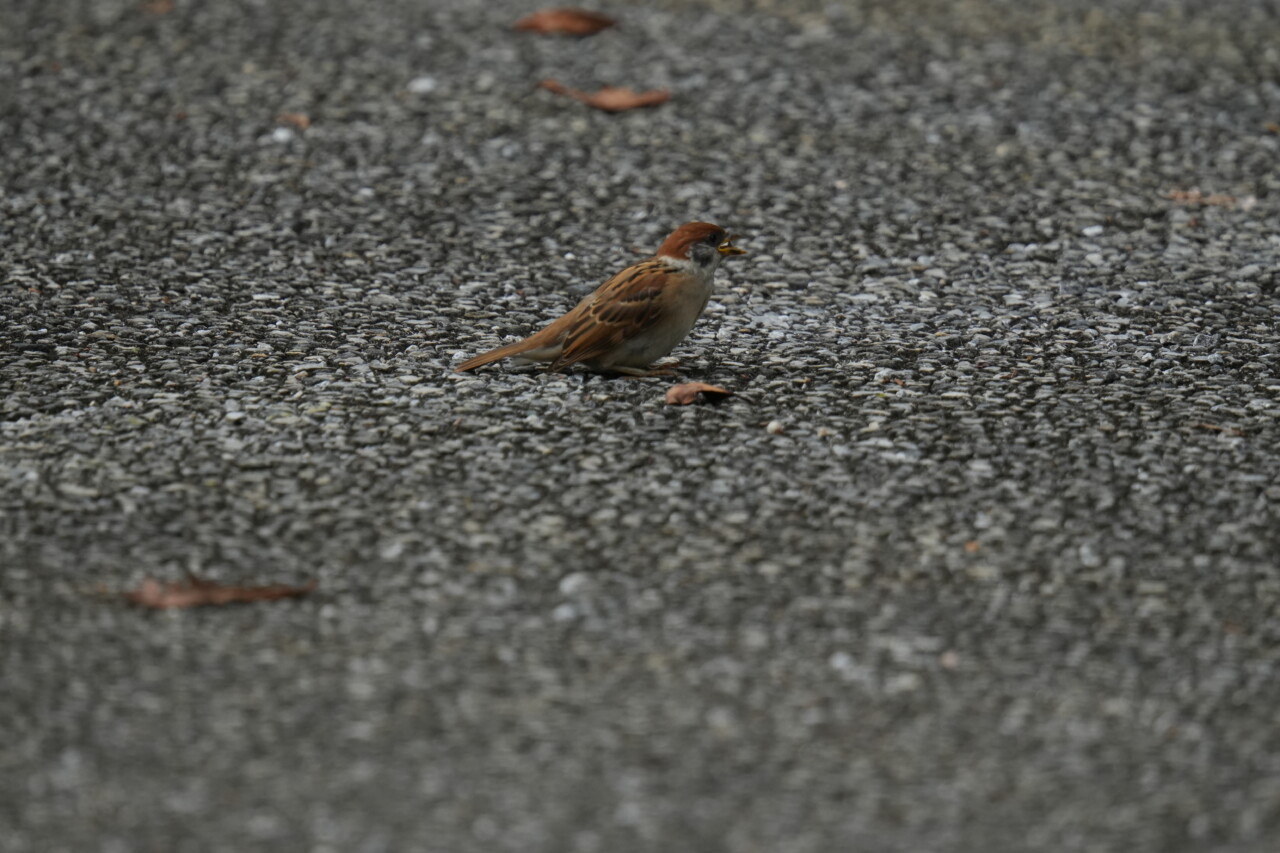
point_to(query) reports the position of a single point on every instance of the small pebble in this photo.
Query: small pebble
(422, 85)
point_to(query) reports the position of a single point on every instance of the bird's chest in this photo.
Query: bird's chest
(662, 337)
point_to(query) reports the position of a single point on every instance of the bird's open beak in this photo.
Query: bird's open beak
(727, 248)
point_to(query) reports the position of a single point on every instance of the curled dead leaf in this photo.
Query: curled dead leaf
(197, 592)
(299, 120)
(1197, 197)
(687, 392)
(565, 21)
(611, 99)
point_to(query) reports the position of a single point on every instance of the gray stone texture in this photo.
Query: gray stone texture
(1003, 576)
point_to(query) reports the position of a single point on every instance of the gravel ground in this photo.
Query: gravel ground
(1006, 578)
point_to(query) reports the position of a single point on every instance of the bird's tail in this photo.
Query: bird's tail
(539, 347)
(492, 355)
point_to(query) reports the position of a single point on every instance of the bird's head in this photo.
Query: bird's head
(701, 243)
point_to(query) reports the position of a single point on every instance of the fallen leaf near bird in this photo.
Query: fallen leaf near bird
(689, 392)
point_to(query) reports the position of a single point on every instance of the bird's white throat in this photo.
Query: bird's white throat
(692, 267)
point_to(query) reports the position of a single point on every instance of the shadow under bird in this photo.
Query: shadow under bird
(636, 317)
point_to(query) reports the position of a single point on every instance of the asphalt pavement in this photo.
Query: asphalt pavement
(983, 554)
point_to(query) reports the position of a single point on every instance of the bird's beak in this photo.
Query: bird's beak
(727, 248)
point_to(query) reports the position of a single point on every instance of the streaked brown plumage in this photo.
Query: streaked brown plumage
(635, 317)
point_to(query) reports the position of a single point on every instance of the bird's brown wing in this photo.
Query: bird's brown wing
(624, 306)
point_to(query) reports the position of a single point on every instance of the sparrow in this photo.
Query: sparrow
(636, 317)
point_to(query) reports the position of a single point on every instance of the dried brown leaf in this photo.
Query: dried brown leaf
(611, 99)
(197, 592)
(565, 21)
(1197, 197)
(687, 392)
(299, 120)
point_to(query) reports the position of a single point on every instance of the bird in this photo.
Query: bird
(637, 316)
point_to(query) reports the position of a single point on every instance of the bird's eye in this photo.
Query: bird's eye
(714, 239)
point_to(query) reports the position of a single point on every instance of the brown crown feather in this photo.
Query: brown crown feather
(677, 245)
